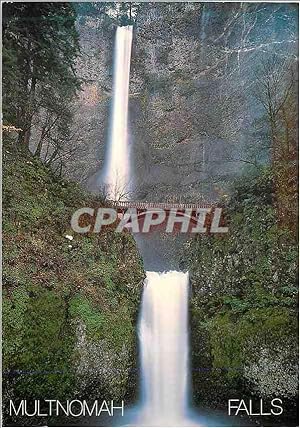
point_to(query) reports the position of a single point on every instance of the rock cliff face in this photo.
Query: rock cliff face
(93, 105)
(195, 120)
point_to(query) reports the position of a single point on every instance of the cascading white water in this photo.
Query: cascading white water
(163, 335)
(117, 174)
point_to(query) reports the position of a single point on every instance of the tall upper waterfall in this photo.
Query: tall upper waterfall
(163, 335)
(117, 174)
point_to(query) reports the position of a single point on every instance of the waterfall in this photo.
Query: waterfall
(163, 335)
(163, 325)
(117, 174)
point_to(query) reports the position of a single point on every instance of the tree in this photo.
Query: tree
(122, 14)
(40, 47)
(278, 93)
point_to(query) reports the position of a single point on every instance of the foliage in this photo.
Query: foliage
(81, 308)
(40, 47)
(121, 14)
(245, 286)
(51, 285)
(277, 91)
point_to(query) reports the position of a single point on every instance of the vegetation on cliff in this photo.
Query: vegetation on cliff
(69, 301)
(244, 303)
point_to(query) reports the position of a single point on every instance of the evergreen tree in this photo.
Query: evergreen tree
(40, 46)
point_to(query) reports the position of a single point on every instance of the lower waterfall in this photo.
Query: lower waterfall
(164, 351)
(163, 336)
(164, 359)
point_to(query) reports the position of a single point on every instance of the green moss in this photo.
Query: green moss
(119, 328)
(232, 339)
(245, 286)
(14, 309)
(81, 309)
(116, 327)
(51, 283)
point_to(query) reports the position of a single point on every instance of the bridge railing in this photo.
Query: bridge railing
(161, 205)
